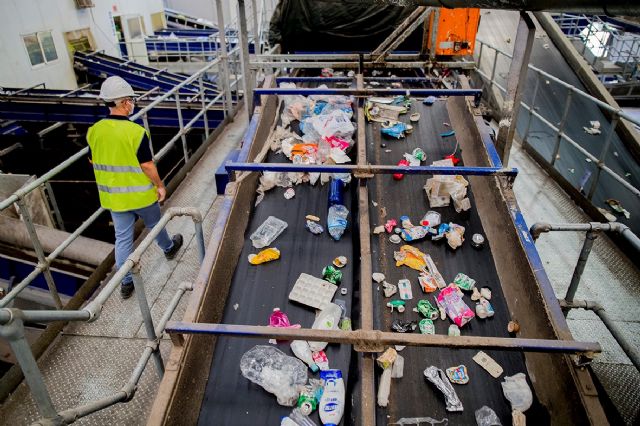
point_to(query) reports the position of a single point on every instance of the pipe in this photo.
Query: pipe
(619, 228)
(630, 349)
(582, 261)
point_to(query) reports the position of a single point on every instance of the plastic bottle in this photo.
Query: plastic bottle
(327, 319)
(332, 401)
(337, 221)
(301, 349)
(335, 192)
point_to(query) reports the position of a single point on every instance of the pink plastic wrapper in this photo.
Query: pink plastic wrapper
(336, 142)
(280, 319)
(454, 306)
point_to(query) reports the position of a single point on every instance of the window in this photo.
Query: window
(40, 47)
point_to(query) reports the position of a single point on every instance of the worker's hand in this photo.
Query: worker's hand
(162, 193)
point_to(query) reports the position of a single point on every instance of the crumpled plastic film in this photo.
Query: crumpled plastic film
(438, 378)
(517, 391)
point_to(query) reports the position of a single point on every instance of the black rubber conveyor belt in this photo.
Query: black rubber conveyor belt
(413, 395)
(230, 399)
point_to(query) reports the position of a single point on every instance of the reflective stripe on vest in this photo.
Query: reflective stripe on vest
(122, 185)
(117, 169)
(124, 189)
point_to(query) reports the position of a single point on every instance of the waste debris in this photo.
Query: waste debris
(518, 393)
(312, 291)
(488, 363)
(439, 379)
(327, 319)
(616, 206)
(453, 330)
(411, 257)
(426, 309)
(385, 361)
(594, 128)
(418, 421)
(464, 282)
(389, 289)
(289, 193)
(402, 326)
(404, 286)
(399, 305)
(485, 416)
(332, 400)
(276, 372)
(454, 306)
(441, 188)
(458, 375)
(266, 255)
(340, 261)
(267, 232)
(302, 351)
(314, 227)
(427, 281)
(321, 360)
(332, 274)
(378, 277)
(426, 326)
(484, 309)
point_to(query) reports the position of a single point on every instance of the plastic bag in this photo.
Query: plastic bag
(275, 371)
(517, 391)
(485, 416)
(337, 123)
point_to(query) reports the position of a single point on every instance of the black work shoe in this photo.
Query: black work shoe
(177, 243)
(126, 290)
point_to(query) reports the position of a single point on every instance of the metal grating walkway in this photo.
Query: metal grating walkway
(91, 361)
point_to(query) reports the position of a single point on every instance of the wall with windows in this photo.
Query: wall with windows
(34, 36)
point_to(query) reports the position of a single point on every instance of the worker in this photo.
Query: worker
(128, 182)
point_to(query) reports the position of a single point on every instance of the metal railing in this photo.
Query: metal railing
(602, 40)
(569, 302)
(559, 130)
(44, 262)
(12, 327)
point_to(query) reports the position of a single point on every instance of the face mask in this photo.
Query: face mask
(133, 107)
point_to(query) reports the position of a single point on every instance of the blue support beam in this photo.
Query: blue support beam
(139, 76)
(371, 169)
(476, 93)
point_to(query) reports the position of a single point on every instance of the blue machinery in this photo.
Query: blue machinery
(139, 76)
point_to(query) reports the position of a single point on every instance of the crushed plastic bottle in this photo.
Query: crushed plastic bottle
(485, 416)
(268, 232)
(314, 227)
(337, 221)
(276, 372)
(301, 349)
(327, 319)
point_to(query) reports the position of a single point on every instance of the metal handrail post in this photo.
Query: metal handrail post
(181, 124)
(138, 284)
(525, 140)
(145, 122)
(224, 57)
(54, 204)
(37, 246)
(565, 113)
(603, 155)
(480, 54)
(582, 261)
(493, 72)
(14, 333)
(204, 108)
(244, 58)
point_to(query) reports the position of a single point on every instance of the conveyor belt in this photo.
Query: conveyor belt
(413, 396)
(230, 399)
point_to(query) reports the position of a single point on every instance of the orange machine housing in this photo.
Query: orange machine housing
(456, 31)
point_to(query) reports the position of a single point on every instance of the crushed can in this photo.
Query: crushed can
(464, 282)
(426, 326)
(332, 274)
(427, 310)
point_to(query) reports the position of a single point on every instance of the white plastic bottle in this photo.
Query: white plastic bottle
(332, 401)
(301, 349)
(327, 319)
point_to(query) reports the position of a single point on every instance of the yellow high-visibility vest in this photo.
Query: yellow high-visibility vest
(122, 184)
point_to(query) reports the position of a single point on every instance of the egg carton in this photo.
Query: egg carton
(312, 291)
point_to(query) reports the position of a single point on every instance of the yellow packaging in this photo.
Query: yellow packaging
(266, 255)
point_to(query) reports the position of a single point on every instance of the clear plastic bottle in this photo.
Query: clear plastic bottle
(301, 349)
(276, 372)
(327, 319)
(337, 221)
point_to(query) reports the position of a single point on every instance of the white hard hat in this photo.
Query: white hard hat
(114, 88)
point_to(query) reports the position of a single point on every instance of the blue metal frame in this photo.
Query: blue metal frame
(338, 79)
(476, 93)
(206, 46)
(383, 169)
(140, 76)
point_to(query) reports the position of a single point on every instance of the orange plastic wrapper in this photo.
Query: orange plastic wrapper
(266, 255)
(411, 257)
(303, 149)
